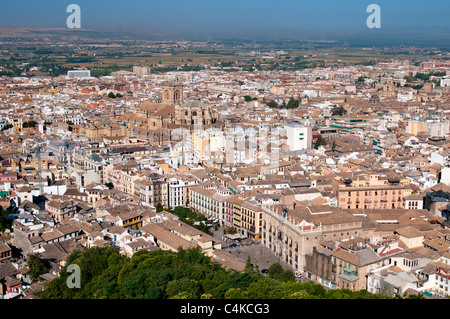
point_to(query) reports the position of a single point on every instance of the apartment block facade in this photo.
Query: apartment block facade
(376, 193)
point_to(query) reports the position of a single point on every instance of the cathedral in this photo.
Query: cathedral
(173, 111)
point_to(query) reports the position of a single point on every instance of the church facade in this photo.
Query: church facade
(174, 111)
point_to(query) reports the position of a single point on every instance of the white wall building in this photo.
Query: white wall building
(298, 136)
(177, 191)
(79, 74)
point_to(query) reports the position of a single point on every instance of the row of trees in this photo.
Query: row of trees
(424, 76)
(292, 104)
(113, 96)
(186, 274)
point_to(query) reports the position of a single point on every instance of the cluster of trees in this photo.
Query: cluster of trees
(423, 76)
(248, 98)
(29, 124)
(36, 266)
(186, 274)
(361, 79)
(319, 142)
(415, 87)
(193, 219)
(7, 127)
(292, 104)
(338, 110)
(4, 223)
(113, 96)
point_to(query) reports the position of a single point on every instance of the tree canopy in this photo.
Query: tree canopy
(4, 222)
(36, 266)
(338, 110)
(319, 142)
(105, 274)
(292, 104)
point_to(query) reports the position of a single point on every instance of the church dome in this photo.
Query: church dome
(194, 104)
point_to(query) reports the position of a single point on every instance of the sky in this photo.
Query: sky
(232, 18)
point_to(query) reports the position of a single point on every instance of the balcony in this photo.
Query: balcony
(349, 274)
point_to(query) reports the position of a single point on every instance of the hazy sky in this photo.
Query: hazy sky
(231, 17)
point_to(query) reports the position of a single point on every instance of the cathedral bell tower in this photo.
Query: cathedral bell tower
(172, 94)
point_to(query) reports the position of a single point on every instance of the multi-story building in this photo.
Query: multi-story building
(61, 209)
(346, 124)
(414, 201)
(291, 234)
(208, 202)
(374, 193)
(178, 190)
(152, 190)
(289, 237)
(299, 136)
(141, 70)
(81, 74)
(245, 215)
(352, 263)
(62, 150)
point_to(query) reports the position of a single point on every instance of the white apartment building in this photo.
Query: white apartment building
(178, 191)
(299, 136)
(79, 74)
(445, 81)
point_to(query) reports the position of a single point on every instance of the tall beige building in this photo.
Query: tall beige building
(373, 193)
(141, 70)
(174, 110)
(291, 234)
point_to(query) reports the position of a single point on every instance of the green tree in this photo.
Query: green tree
(159, 208)
(287, 276)
(275, 271)
(236, 293)
(36, 266)
(272, 104)
(248, 265)
(29, 124)
(185, 274)
(4, 222)
(111, 95)
(230, 230)
(338, 110)
(293, 103)
(184, 286)
(361, 79)
(319, 141)
(7, 127)
(265, 288)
